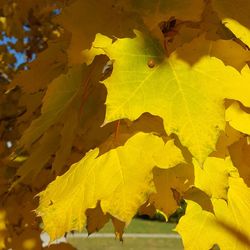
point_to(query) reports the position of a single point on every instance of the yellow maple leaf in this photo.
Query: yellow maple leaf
(190, 99)
(238, 119)
(228, 225)
(120, 179)
(213, 177)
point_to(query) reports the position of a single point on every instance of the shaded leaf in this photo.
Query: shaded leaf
(235, 16)
(96, 219)
(112, 21)
(167, 181)
(240, 155)
(154, 12)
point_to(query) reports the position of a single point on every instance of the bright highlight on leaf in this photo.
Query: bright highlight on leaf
(121, 180)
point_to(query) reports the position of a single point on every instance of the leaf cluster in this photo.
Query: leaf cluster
(122, 107)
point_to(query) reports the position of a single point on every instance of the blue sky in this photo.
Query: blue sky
(20, 57)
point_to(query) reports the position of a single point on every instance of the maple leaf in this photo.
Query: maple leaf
(120, 179)
(72, 103)
(224, 227)
(213, 178)
(112, 21)
(238, 119)
(52, 62)
(238, 57)
(94, 225)
(40, 155)
(241, 89)
(235, 16)
(147, 209)
(68, 134)
(168, 182)
(66, 86)
(226, 139)
(240, 155)
(170, 81)
(188, 98)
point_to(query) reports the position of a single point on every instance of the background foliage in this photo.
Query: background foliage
(124, 106)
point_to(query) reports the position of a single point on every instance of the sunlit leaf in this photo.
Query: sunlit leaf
(120, 179)
(185, 96)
